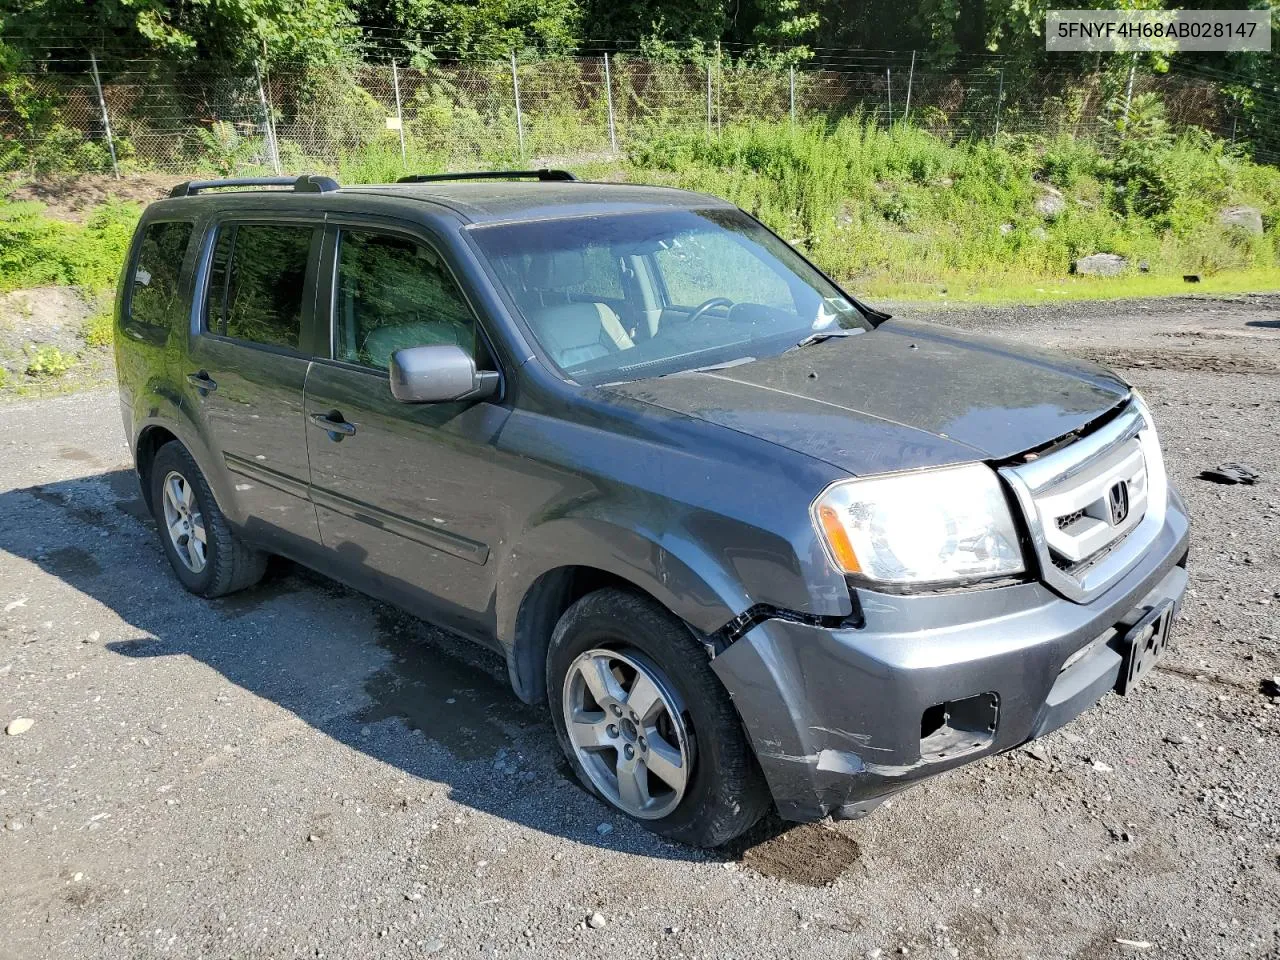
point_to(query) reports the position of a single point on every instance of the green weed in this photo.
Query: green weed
(97, 330)
(48, 362)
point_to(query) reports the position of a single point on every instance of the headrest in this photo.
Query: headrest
(557, 270)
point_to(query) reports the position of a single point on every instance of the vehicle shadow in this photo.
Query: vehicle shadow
(371, 677)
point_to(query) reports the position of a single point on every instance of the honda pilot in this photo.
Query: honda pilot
(751, 541)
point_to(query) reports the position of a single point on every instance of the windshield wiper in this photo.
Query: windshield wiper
(713, 366)
(821, 335)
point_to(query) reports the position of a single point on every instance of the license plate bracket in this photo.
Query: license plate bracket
(1144, 644)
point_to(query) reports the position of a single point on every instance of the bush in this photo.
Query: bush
(36, 251)
(48, 362)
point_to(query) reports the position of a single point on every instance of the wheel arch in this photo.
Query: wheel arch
(150, 440)
(534, 593)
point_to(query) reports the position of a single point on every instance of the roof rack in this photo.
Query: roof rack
(307, 183)
(542, 175)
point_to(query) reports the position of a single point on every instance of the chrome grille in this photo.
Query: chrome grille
(1094, 505)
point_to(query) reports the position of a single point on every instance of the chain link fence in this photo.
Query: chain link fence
(369, 118)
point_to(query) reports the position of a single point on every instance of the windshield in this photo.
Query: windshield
(638, 295)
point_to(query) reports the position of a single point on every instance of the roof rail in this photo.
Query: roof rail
(543, 175)
(307, 183)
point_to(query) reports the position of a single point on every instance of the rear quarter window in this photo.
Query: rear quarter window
(157, 272)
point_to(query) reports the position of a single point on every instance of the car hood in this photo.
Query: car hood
(904, 396)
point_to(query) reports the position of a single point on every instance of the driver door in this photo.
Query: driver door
(401, 490)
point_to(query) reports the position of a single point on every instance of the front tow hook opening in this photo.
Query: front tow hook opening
(958, 727)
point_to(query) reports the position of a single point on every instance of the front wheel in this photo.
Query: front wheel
(645, 723)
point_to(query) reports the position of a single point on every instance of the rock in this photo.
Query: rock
(1006, 229)
(1230, 473)
(19, 725)
(1039, 233)
(313, 838)
(1246, 219)
(1050, 203)
(1101, 767)
(596, 921)
(434, 945)
(1100, 265)
(1037, 751)
(604, 829)
(1270, 688)
(1134, 944)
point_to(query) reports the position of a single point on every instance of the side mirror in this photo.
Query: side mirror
(439, 374)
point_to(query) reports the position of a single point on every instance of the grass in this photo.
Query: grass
(36, 251)
(890, 212)
(1030, 292)
(97, 330)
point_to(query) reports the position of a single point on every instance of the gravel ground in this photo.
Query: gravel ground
(299, 771)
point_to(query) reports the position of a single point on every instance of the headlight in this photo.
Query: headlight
(934, 526)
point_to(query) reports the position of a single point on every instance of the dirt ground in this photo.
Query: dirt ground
(74, 198)
(299, 771)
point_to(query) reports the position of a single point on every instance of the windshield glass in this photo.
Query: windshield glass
(638, 295)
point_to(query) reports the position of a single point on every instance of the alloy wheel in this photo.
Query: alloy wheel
(184, 522)
(628, 730)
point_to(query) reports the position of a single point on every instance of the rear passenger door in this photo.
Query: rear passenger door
(246, 368)
(402, 490)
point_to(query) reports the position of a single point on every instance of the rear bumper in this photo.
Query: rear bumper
(840, 719)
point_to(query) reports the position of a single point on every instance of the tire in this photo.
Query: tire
(229, 563)
(723, 791)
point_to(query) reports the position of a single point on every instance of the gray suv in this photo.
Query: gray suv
(752, 541)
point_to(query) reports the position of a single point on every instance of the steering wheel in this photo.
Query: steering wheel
(706, 305)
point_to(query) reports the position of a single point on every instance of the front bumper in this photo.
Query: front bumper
(840, 719)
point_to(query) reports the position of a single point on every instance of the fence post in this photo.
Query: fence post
(267, 125)
(719, 85)
(515, 85)
(793, 94)
(395, 82)
(1128, 93)
(888, 86)
(708, 98)
(999, 102)
(608, 96)
(911, 76)
(106, 120)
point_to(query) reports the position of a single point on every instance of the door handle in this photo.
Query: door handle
(202, 382)
(333, 424)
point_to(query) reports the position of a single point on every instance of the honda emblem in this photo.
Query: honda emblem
(1118, 501)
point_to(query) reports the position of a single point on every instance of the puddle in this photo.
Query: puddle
(71, 563)
(811, 854)
(467, 707)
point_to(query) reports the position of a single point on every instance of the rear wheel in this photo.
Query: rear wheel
(645, 723)
(206, 555)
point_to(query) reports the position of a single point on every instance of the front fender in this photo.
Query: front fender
(675, 570)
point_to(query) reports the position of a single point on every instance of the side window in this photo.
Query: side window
(695, 265)
(155, 278)
(393, 293)
(256, 283)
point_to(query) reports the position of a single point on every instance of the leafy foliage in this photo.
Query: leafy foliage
(36, 251)
(48, 361)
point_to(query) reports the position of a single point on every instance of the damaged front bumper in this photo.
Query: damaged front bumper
(842, 718)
